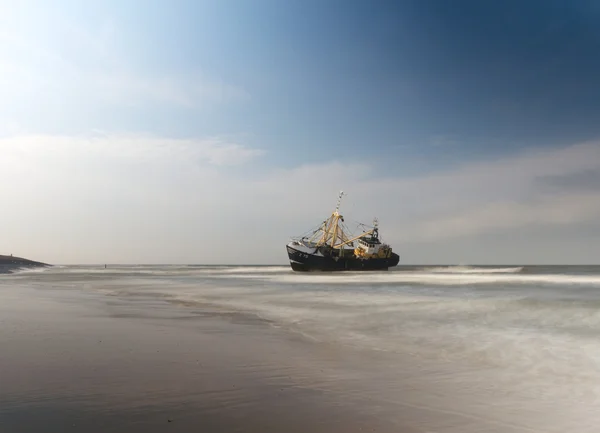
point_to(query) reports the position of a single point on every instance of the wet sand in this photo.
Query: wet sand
(155, 349)
(70, 361)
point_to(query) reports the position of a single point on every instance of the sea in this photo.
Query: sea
(441, 348)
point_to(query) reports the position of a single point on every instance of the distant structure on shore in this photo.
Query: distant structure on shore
(10, 263)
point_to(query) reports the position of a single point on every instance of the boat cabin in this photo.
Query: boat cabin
(370, 245)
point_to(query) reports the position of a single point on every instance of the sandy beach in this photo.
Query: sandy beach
(261, 349)
(74, 362)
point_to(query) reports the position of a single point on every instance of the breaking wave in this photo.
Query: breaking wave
(23, 270)
(473, 270)
(430, 278)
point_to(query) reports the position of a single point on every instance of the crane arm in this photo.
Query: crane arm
(353, 239)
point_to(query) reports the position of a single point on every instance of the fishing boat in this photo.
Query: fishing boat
(330, 247)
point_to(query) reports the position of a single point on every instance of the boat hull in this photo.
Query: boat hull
(302, 261)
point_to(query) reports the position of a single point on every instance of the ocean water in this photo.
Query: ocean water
(515, 347)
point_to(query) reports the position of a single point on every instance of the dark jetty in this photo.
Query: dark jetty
(10, 264)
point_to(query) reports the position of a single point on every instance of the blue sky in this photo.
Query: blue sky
(258, 93)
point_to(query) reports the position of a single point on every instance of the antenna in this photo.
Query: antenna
(339, 201)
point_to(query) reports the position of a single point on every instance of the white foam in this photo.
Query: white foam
(250, 269)
(29, 270)
(174, 270)
(473, 270)
(431, 278)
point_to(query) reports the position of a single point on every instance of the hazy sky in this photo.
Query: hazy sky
(212, 131)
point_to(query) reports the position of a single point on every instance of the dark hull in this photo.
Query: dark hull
(304, 262)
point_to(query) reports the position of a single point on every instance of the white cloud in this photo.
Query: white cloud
(153, 199)
(556, 210)
(126, 149)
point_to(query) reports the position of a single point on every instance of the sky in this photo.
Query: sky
(210, 132)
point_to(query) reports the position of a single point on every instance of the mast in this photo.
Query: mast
(337, 217)
(375, 228)
(331, 226)
(337, 208)
(331, 231)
